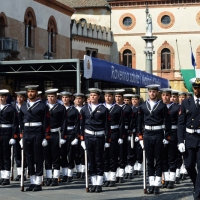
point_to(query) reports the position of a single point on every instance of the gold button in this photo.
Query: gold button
(192, 119)
(191, 126)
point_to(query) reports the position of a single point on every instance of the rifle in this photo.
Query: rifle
(22, 168)
(86, 172)
(144, 172)
(12, 164)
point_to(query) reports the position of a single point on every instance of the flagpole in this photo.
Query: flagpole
(178, 55)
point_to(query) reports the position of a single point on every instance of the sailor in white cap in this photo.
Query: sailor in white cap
(32, 127)
(182, 96)
(174, 96)
(73, 129)
(55, 128)
(153, 115)
(8, 133)
(94, 134)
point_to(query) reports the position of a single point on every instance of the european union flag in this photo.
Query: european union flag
(193, 59)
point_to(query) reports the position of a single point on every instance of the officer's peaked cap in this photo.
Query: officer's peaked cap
(195, 82)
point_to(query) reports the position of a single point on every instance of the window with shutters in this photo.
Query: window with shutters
(52, 31)
(127, 58)
(165, 59)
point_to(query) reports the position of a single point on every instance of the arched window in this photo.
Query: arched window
(52, 31)
(2, 26)
(30, 23)
(127, 58)
(165, 59)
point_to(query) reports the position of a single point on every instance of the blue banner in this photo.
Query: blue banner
(107, 71)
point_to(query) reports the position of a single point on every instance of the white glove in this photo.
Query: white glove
(120, 141)
(12, 141)
(129, 138)
(83, 145)
(141, 143)
(74, 142)
(107, 145)
(165, 141)
(21, 143)
(62, 141)
(137, 139)
(44, 142)
(181, 147)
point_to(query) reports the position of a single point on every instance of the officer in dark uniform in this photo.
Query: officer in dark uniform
(8, 133)
(73, 129)
(95, 129)
(55, 129)
(188, 129)
(17, 148)
(116, 132)
(32, 127)
(127, 113)
(170, 147)
(153, 114)
(79, 152)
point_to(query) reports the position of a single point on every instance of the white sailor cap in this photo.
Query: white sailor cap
(109, 91)
(65, 93)
(4, 92)
(175, 92)
(20, 93)
(78, 94)
(128, 96)
(195, 82)
(119, 91)
(153, 87)
(87, 95)
(52, 91)
(31, 87)
(182, 93)
(95, 90)
(166, 90)
(135, 96)
(39, 92)
(190, 94)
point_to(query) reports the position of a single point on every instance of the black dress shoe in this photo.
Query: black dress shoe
(130, 176)
(165, 184)
(37, 188)
(48, 182)
(30, 188)
(18, 177)
(98, 188)
(64, 179)
(156, 190)
(126, 176)
(78, 174)
(5, 182)
(82, 175)
(121, 180)
(69, 180)
(93, 188)
(150, 190)
(1, 181)
(177, 181)
(54, 182)
(112, 184)
(117, 179)
(171, 185)
(106, 183)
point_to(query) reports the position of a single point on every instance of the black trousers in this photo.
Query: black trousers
(95, 152)
(139, 152)
(68, 153)
(170, 153)
(153, 144)
(179, 161)
(79, 154)
(33, 149)
(131, 154)
(111, 153)
(52, 152)
(192, 157)
(17, 153)
(5, 152)
(123, 151)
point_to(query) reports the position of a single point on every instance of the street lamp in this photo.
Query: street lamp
(48, 56)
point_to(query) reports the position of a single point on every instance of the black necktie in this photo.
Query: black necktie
(197, 104)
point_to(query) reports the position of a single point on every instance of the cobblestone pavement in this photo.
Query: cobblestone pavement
(130, 190)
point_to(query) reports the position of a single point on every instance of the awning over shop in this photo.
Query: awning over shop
(107, 71)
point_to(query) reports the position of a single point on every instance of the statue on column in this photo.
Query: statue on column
(149, 26)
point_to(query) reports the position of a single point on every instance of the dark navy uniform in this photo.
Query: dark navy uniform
(111, 153)
(32, 125)
(154, 119)
(8, 130)
(94, 128)
(55, 129)
(189, 129)
(68, 150)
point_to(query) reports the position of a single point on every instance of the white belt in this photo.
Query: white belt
(192, 130)
(114, 127)
(94, 132)
(70, 127)
(133, 130)
(55, 130)
(126, 127)
(174, 127)
(153, 127)
(33, 124)
(5, 125)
